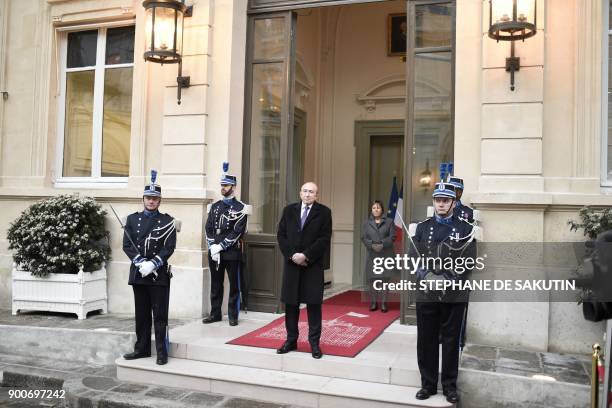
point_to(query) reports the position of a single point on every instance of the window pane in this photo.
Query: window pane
(609, 152)
(264, 180)
(269, 41)
(117, 122)
(78, 124)
(433, 136)
(82, 48)
(434, 25)
(609, 164)
(120, 45)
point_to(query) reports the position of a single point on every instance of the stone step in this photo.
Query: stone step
(272, 385)
(390, 359)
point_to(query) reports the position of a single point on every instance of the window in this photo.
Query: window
(96, 103)
(606, 156)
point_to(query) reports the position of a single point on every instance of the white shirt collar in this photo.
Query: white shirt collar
(304, 205)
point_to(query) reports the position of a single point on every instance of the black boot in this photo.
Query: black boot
(136, 354)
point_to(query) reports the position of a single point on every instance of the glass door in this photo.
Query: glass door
(268, 128)
(430, 108)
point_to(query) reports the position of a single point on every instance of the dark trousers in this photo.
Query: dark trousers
(292, 316)
(151, 299)
(217, 275)
(380, 294)
(438, 321)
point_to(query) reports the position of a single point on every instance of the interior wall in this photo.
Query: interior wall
(358, 33)
(361, 36)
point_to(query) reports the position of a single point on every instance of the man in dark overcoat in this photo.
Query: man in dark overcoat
(304, 237)
(149, 240)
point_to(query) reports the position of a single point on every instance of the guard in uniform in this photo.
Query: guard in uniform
(149, 240)
(226, 224)
(440, 314)
(461, 210)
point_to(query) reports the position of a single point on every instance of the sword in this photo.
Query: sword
(128, 235)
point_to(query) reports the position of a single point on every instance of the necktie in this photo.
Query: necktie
(304, 215)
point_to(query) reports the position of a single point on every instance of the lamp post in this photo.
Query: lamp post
(164, 35)
(512, 20)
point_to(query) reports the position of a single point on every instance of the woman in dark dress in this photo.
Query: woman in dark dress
(378, 234)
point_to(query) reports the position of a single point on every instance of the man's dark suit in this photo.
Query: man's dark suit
(304, 284)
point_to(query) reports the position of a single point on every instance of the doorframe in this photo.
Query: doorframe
(364, 131)
(267, 6)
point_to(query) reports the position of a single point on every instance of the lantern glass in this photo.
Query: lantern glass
(501, 11)
(512, 19)
(164, 33)
(525, 11)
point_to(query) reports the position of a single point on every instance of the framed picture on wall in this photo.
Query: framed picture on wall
(397, 31)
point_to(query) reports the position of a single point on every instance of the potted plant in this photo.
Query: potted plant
(593, 222)
(60, 248)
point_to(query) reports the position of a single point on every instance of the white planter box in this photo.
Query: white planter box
(60, 292)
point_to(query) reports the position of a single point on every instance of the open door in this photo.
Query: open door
(267, 169)
(429, 135)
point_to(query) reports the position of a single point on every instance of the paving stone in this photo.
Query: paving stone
(244, 403)
(481, 352)
(167, 393)
(202, 399)
(129, 388)
(31, 380)
(517, 360)
(117, 404)
(565, 368)
(475, 363)
(100, 383)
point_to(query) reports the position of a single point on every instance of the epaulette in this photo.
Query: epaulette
(246, 208)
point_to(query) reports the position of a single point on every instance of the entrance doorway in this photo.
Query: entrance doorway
(380, 163)
(317, 75)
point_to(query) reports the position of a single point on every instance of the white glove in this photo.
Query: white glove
(216, 257)
(215, 249)
(146, 268)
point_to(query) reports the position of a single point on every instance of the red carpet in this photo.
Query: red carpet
(348, 327)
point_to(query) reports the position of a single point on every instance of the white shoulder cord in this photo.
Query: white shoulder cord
(169, 228)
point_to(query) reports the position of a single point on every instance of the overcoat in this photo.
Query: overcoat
(304, 284)
(383, 233)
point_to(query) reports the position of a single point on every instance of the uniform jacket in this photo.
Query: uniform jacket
(225, 225)
(155, 238)
(383, 233)
(437, 240)
(463, 211)
(304, 284)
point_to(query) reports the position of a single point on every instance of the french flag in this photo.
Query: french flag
(395, 212)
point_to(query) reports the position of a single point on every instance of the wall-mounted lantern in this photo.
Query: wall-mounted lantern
(512, 20)
(164, 35)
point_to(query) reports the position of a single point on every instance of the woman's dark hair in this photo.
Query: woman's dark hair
(382, 207)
